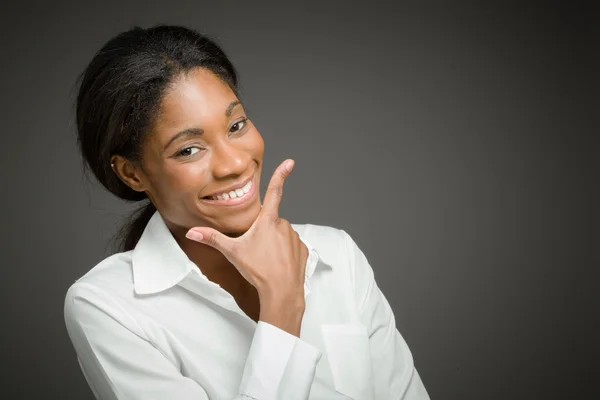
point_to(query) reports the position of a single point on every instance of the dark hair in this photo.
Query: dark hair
(120, 92)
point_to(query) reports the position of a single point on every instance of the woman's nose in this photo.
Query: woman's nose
(227, 159)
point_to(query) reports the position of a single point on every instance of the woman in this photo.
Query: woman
(214, 296)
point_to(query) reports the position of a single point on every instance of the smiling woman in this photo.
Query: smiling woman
(213, 295)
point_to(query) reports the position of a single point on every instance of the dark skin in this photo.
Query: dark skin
(202, 144)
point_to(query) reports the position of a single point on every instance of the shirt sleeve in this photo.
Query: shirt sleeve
(119, 362)
(395, 376)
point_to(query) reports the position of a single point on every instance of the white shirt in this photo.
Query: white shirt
(147, 324)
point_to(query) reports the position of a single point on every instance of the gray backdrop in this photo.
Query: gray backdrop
(455, 143)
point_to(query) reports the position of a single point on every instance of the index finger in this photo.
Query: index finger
(274, 191)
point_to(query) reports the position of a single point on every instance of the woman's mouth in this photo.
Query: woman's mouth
(235, 196)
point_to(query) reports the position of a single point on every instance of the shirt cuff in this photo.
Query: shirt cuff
(279, 365)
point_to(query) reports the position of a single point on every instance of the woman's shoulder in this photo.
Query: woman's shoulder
(328, 241)
(320, 234)
(110, 275)
(102, 296)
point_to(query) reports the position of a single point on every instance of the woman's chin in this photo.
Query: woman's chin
(234, 230)
(237, 225)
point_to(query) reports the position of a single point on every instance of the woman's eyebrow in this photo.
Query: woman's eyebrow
(231, 107)
(184, 133)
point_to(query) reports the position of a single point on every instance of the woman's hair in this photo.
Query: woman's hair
(119, 96)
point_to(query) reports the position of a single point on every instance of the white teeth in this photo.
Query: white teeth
(234, 193)
(247, 187)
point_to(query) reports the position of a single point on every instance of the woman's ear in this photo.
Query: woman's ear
(130, 173)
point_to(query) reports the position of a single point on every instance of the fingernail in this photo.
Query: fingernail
(288, 165)
(194, 235)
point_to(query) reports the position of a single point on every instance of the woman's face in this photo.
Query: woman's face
(202, 145)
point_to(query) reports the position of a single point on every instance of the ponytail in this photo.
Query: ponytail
(131, 231)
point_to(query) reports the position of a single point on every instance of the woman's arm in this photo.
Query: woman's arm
(119, 362)
(394, 373)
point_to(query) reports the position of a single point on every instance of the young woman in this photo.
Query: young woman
(214, 295)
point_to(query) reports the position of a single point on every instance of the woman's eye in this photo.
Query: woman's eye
(238, 126)
(188, 151)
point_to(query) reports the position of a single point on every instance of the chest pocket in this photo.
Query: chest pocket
(347, 347)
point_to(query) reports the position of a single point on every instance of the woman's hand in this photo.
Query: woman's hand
(270, 255)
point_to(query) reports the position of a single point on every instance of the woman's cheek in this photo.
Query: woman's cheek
(257, 144)
(190, 177)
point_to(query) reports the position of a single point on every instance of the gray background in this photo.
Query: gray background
(455, 143)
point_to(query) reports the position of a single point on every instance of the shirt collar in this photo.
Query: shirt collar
(159, 263)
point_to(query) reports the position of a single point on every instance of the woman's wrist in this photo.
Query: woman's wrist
(283, 311)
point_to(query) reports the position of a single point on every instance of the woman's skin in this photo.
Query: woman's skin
(201, 144)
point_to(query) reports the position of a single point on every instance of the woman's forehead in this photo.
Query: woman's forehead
(197, 94)
(198, 100)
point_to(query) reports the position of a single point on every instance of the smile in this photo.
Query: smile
(235, 196)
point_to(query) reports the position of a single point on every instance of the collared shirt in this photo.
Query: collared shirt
(147, 324)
